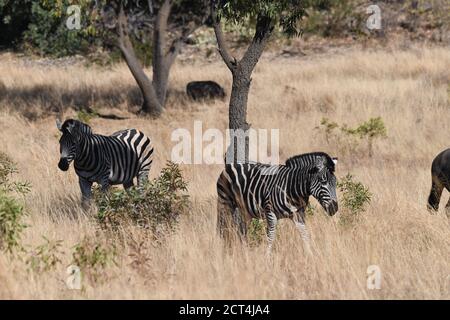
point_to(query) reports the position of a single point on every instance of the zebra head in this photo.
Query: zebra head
(71, 130)
(323, 183)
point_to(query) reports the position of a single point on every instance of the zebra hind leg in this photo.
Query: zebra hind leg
(435, 193)
(227, 226)
(272, 221)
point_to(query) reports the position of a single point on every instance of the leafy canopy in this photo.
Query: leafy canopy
(286, 13)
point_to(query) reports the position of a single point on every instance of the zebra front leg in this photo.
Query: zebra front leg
(128, 185)
(271, 230)
(86, 193)
(142, 177)
(299, 220)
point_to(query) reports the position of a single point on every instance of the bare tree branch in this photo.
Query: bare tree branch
(144, 83)
(175, 47)
(230, 62)
(264, 27)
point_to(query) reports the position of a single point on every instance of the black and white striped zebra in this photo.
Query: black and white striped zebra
(254, 190)
(106, 160)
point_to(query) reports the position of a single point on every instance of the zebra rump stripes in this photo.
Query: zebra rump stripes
(255, 190)
(107, 160)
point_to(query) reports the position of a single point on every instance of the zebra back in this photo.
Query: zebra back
(308, 160)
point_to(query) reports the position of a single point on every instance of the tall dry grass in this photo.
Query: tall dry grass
(409, 89)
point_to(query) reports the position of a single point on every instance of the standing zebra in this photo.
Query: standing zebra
(107, 160)
(255, 190)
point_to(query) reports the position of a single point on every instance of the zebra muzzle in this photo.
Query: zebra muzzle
(332, 208)
(63, 164)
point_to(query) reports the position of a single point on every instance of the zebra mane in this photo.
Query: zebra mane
(74, 127)
(307, 159)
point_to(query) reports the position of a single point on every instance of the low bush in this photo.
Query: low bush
(46, 256)
(155, 205)
(349, 139)
(256, 232)
(11, 209)
(355, 197)
(92, 258)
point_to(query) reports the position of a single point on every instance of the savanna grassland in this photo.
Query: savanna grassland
(409, 88)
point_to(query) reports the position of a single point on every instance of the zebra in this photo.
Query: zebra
(255, 190)
(106, 160)
(440, 179)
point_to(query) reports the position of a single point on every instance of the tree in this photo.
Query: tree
(265, 14)
(170, 22)
(14, 20)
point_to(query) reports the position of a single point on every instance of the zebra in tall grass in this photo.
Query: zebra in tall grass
(255, 190)
(440, 179)
(106, 160)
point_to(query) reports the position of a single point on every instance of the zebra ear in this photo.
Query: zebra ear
(73, 127)
(59, 124)
(320, 163)
(335, 160)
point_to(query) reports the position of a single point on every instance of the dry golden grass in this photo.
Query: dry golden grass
(408, 89)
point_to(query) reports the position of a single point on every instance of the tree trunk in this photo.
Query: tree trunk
(160, 62)
(237, 117)
(161, 71)
(151, 104)
(242, 71)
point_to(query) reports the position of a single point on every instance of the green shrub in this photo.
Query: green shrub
(354, 199)
(328, 128)
(369, 130)
(349, 138)
(92, 258)
(14, 20)
(332, 18)
(45, 257)
(256, 232)
(11, 210)
(156, 205)
(48, 34)
(310, 210)
(86, 115)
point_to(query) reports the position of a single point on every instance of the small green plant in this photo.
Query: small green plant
(256, 232)
(328, 127)
(155, 205)
(371, 129)
(355, 198)
(46, 256)
(310, 210)
(86, 115)
(7, 169)
(92, 258)
(11, 209)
